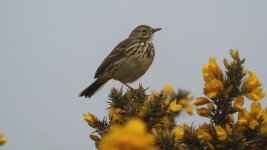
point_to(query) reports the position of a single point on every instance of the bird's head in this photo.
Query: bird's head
(143, 32)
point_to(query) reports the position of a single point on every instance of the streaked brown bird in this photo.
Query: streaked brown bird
(128, 61)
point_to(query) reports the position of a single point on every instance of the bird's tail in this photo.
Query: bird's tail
(93, 88)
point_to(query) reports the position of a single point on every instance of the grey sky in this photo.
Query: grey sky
(50, 50)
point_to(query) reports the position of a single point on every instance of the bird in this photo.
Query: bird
(127, 62)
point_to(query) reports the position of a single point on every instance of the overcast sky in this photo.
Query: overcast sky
(50, 50)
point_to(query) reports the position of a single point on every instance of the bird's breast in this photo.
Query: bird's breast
(135, 63)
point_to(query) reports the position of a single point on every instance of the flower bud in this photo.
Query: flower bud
(210, 106)
(204, 112)
(95, 138)
(226, 63)
(234, 54)
(201, 101)
(90, 119)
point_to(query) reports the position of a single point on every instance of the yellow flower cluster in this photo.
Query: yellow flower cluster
(225, 96)
(182, 103)
(253, 86)
(213, 77)
(212, 71)
(2, 139)
(174, 105)
(213, 88)
(218, 87)
(157, 110)
(177, 105)
(204, 132)
(131, 136)
(256, 117)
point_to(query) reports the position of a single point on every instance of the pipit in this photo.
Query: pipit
(128, 61)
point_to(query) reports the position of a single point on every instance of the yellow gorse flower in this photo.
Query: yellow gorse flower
(203, 132)
(250, 119)
(131, 136)
(203, 135)
(189, 109)
(175, 107)
(213, 88)
(256, 94)
(167, 89)
(90, 119)
(185, 102)
(178, 132)
(2, 139)
(256, 110)
(253, 85)
(253, 124)
(239, 102)
(220, 132)
(212, 71)
(114, 114)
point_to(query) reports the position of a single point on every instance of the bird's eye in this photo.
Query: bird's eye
(143, 31)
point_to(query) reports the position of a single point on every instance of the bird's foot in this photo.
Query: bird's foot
(139, 90)
(136, 91)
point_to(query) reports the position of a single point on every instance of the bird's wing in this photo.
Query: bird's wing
(116, 53)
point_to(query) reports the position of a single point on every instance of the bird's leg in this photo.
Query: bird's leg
(134, 90)
(128, 86)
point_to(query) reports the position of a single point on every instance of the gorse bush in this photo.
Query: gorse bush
(141, 121)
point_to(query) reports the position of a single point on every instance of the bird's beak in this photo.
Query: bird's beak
(155, 30)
